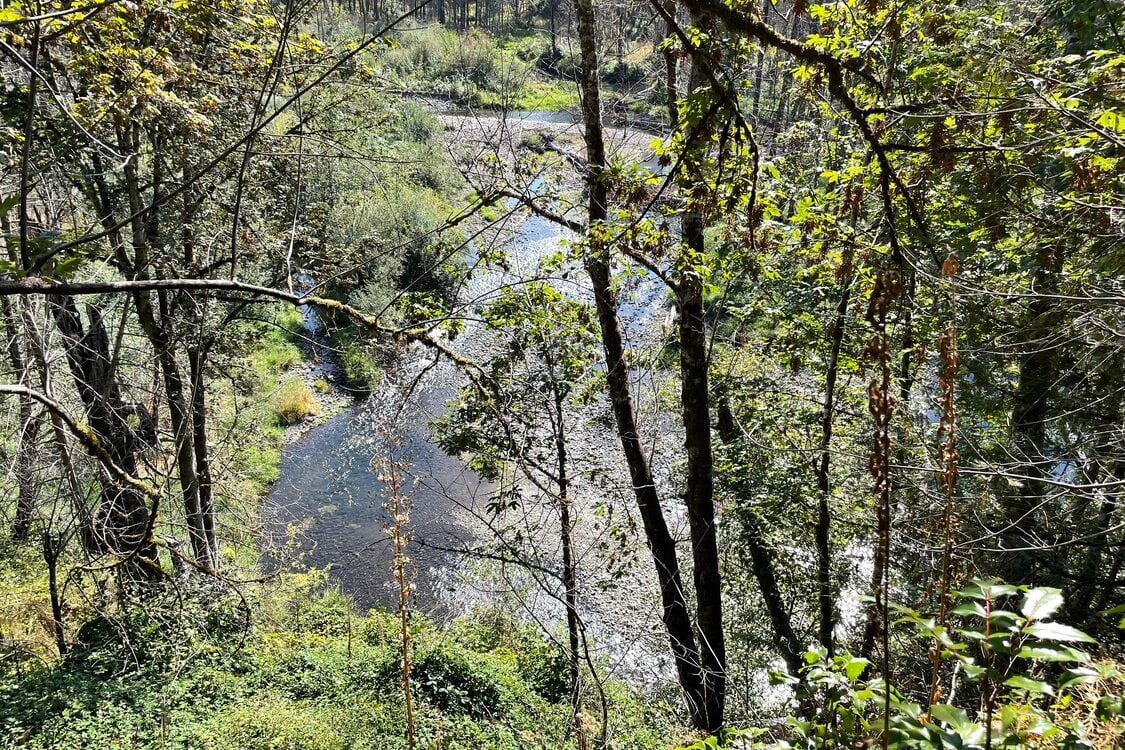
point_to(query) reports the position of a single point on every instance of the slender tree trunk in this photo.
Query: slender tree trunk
(59, 432)
(700, 493)
(570, 578)
(759, 66)
(202, 453)
(181, 423)
(552, 12)
(52, 547)
(675, 613)
(785, 638)
(1031, 409)
(27, 433)
(1083, 592)
(695, 406)
(671, 70)
(123, 525)
(826, 595)
(25, 501)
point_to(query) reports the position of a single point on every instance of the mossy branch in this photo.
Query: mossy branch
(88, 438)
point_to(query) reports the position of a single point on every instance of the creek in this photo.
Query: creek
(325, 510)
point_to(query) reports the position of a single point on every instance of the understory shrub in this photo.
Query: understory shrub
(449, 681)
(546, 669)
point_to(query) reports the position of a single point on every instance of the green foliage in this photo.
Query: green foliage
(286, 687)
(546, 670)
(272, 723)
(295, 402)
(473, 68)
(324, 611)
(1024, 679)
(455, 683)
(361, 374)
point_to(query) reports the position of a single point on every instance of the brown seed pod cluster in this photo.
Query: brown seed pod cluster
(880, 401)
(947, 449)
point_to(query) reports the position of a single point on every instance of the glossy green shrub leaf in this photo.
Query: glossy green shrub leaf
(1020, 682)
(1055, 631)
(1041, 603)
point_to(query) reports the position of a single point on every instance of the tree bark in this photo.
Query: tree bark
(180, 420)
(1031, 409)
(826, 595)
(28, 431)
(122, 524)
(570, 582)
(202, 453)
(785, 638)
(695, 406)
(675, 612)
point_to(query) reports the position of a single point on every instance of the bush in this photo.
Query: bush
(474, 56)
(490, 629)
(270, 724)
(416, 123)
(450, 682)
(361, 374)
(300, 670)
(294, 402)
(325, 611)
(546, 670)
(624, 74)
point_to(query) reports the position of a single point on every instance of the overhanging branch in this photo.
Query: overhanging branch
(87, 437)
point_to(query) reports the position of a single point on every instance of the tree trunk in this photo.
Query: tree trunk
(700, 492)
(122, 524)
(785, 638)
(671, 65)
(826, 595)
(202, 453)
(27, 433)
(1031, 408)
(695, 407)
(570, 578)
(52, 548)
(660, 542)
(181, 422)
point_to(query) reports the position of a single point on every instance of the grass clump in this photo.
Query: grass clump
(295, 402)
(475, 68)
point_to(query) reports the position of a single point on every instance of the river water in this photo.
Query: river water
(325, 510)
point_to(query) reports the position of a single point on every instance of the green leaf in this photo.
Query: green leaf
(968, 608)
(1041, 603)
(1055, 631)
(1109, 707)
(1052, 652)
(1079, 676)
(973, 671)
(1006, 619)
(987, 590)
(68, 266)
(951, 715)
(854, 667)
(1020, 682)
